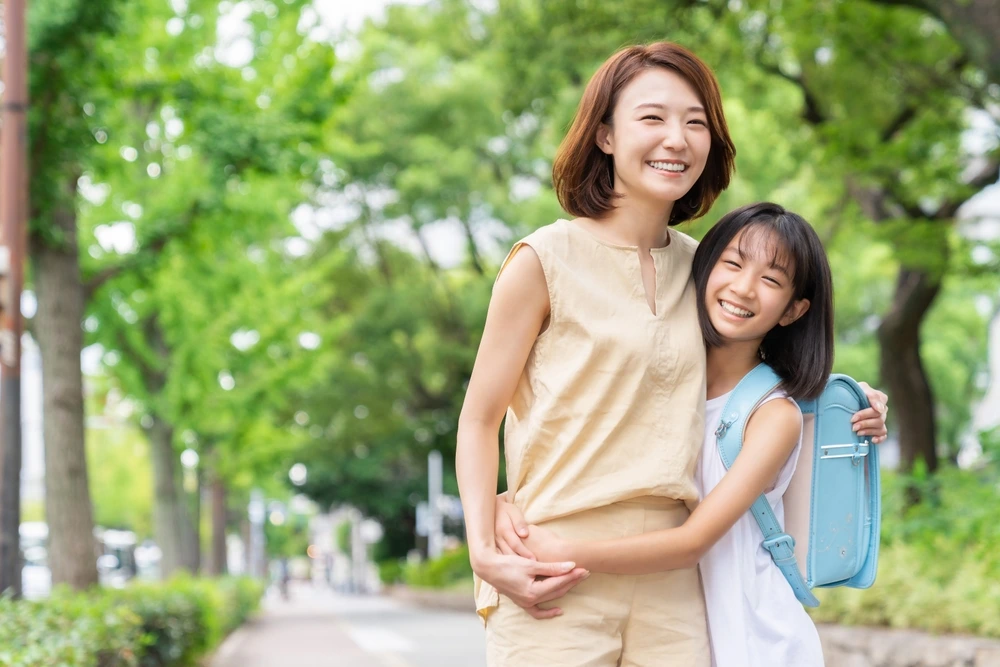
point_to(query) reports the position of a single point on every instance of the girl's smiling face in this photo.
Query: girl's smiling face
(750, 289)
(658, 137)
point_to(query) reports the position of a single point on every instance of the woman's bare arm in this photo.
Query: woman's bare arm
(518, 310)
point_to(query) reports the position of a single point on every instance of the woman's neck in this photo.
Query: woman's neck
(727, 365)
(636, 223)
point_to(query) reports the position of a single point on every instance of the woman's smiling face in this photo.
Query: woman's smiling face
(659, 137)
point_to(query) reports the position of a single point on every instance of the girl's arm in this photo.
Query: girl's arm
(771, 434)
(518, 309)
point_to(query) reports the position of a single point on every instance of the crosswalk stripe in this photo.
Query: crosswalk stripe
(379, 640)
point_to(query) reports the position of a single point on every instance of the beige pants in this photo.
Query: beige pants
(652, 620)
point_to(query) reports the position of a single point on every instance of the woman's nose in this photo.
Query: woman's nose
(673, 138)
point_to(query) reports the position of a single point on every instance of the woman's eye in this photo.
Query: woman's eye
(651, 118)
(698, 122)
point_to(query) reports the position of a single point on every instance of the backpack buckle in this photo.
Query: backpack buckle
(781, 539)
(724, 425)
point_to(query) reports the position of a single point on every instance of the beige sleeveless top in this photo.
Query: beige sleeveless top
(610, 405)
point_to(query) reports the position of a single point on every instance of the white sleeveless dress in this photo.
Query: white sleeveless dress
(754, 618)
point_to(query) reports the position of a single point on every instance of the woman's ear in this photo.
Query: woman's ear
(603, 138)
(796, 309)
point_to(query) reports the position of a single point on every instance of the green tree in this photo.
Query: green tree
(69, 55)
(205, 162)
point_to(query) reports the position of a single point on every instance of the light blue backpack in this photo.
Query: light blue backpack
(832, 505)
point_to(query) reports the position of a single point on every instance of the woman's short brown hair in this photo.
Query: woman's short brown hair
(583, 175)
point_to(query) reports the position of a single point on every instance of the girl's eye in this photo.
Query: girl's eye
(731, 263)
(773, 281)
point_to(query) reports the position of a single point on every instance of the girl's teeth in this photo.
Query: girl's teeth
(729, 308)
(668, 166)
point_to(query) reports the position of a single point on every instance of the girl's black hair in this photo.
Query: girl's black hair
(802, 352)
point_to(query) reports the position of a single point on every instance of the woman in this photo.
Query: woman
(592, 348)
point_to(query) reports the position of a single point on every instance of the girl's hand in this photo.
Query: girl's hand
(510, 529)
(546, 545)
(871, 421)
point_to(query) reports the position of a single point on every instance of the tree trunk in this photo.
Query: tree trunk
(173, 527)
(217, 556)
(171, 520)
(903, 370)
(68, 510)
(191, 527)
(974, 24)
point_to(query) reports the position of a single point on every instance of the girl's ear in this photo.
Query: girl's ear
(796, 309)
(603, 139)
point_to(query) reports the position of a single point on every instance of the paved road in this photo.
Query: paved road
(317, 628)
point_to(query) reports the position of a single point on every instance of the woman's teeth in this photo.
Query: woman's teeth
(739, 312)
(668, 166)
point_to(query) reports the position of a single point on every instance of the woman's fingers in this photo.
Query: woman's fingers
(517, 519)
(504, 547)
(540, 614)
(560, 589)
(521, 550)
(506, 533)
(875, 396)
(872, 426)
(551, 588)
(867, 413)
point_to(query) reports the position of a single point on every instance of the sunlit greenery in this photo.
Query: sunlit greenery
(287, 244)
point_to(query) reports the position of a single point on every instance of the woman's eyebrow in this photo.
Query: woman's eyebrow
(657, 105)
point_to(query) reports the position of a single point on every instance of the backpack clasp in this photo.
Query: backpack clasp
(859, 450)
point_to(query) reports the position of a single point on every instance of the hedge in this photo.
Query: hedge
(144, 625)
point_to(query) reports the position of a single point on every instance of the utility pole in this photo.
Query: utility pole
(435, 535)
(13, 242)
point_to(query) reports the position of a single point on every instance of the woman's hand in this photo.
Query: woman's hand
(871, 421)
(510, 529)
(529, 583)
(546, 545)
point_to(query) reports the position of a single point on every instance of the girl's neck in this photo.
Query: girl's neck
(727, 365)
(635, 223)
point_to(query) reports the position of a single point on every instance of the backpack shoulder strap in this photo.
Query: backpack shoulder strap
(746, 397)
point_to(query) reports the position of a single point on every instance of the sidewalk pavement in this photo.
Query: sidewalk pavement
(318, 628)
(304, 631)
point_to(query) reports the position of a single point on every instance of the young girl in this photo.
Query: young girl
(764, 293)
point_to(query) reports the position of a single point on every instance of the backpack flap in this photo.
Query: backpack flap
(845, 504)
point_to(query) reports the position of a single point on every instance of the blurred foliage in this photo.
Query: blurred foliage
(120, 480)
(289, 539)
(316, 229)
(391, 571)
(145, 625)
(451, 568)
